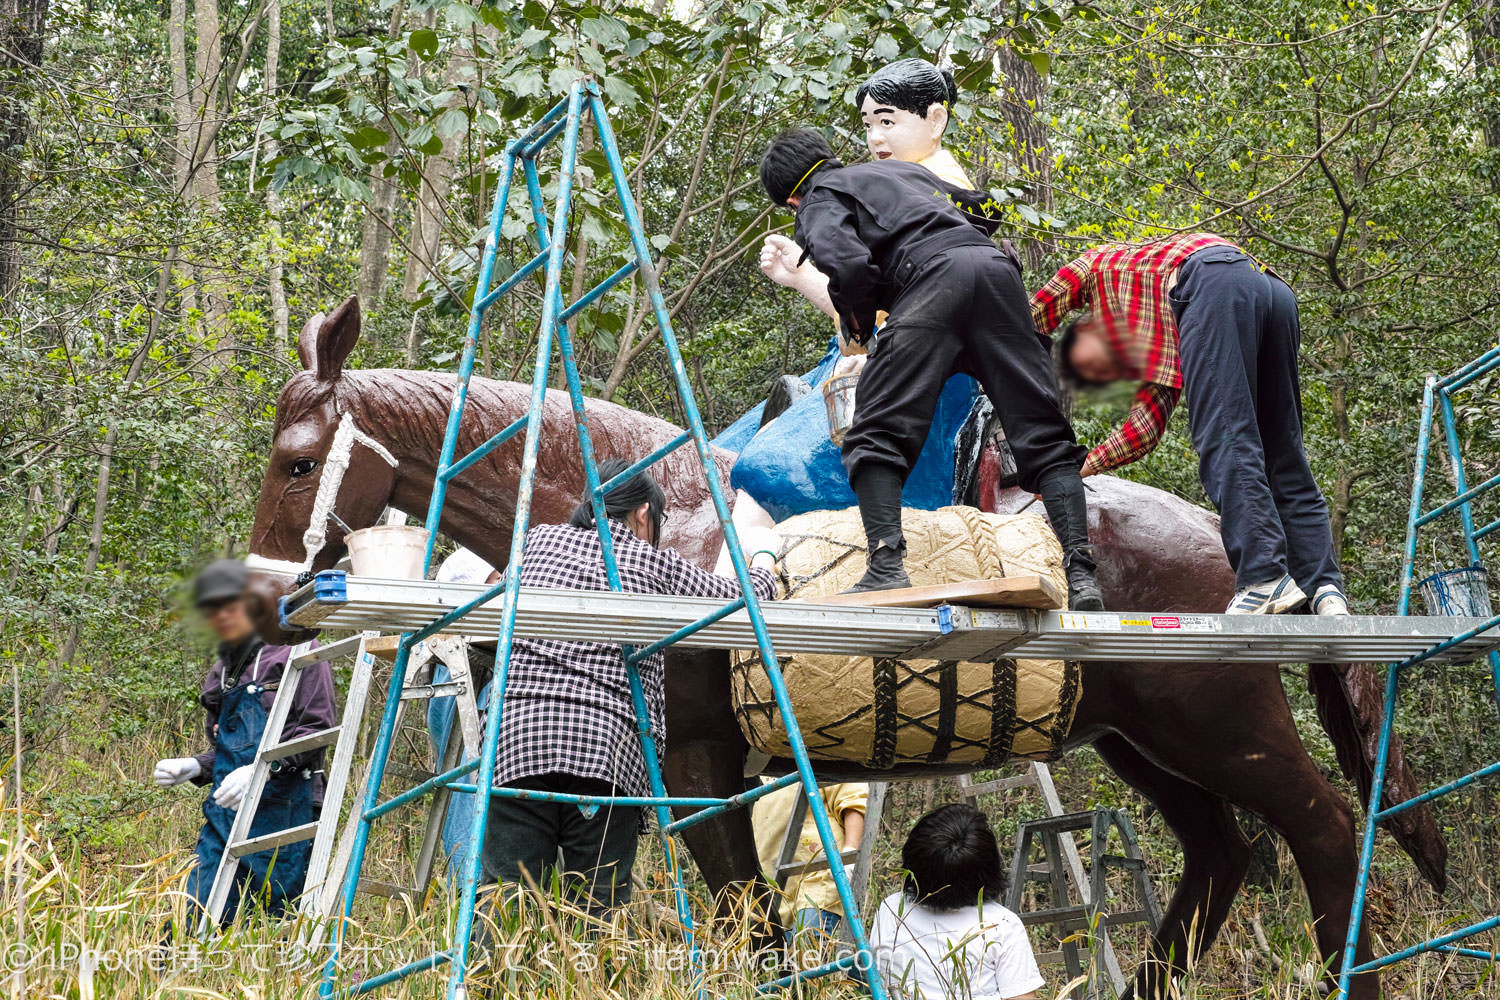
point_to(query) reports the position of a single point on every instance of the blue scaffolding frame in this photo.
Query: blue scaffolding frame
(566, 118)
(1437, 405)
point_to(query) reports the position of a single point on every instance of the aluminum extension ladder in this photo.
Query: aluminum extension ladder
(1065, 869)
(566, 118)
(325, 869)
(862, 857)
(1437, 405)
(239, 844)
(334, 845)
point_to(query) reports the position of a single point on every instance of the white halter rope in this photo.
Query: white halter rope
(334, 467)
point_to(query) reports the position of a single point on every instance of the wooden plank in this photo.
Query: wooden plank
(384, 646)
(997, 592)
(973, 790)
(818, 864)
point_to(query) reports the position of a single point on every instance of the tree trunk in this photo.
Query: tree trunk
(280, 315)
(375, 234)
(208, 64)
(182, 145)
(1021, 103)
(111, 436)
(1484, 36)
(415, 336)
(427, 222)
(21, 25)
(432, 199)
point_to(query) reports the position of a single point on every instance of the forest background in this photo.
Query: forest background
(183, 183)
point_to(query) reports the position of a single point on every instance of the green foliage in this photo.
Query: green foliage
(1353, 148)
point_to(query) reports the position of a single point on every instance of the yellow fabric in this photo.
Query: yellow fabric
(948, 168)
(884, 713)
(770, 818)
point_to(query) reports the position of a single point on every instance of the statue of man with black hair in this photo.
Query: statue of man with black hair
(905, 107)
(955, 304)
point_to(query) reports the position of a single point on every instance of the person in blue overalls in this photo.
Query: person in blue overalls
(237, 696)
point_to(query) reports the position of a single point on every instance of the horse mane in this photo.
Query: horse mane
(411, 406)
(407, 404)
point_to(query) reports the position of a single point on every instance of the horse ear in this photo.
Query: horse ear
(327, 340)
(307, 342)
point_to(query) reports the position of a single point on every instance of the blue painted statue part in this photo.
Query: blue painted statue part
(791, 467)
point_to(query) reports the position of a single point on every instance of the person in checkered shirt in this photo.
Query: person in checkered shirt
(1194, 313)
(568, 722)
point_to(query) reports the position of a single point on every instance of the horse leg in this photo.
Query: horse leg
(705, 756)
(1230, 731)
(1215, 857)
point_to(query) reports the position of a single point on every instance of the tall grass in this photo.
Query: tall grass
(94, 863)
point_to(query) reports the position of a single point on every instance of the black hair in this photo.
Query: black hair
(952, 859)
(792, 159)
(628, 496)
(1067, 336)
(909, 84)
(1067, 373)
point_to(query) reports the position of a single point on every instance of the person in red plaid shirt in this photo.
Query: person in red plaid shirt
(1194, 313)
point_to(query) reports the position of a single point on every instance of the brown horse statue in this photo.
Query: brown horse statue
(1196, 739)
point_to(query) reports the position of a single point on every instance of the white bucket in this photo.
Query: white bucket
(388, 551)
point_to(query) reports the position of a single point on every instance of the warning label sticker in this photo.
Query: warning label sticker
(1075, 620)
(1139, 623)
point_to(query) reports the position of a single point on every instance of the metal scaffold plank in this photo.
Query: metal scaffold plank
(347, 602)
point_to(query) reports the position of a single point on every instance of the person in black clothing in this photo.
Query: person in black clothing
(888, 237)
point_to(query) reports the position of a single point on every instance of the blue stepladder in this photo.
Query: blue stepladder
(1437, 407)
(566, 118)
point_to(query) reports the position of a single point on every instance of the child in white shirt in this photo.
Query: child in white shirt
(945, 935)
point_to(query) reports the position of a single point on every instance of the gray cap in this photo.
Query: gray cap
(219, 581)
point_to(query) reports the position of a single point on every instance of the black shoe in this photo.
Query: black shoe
(886, 570)
(1083, 586)
(1068, 511)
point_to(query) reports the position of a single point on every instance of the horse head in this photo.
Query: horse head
(327, 475)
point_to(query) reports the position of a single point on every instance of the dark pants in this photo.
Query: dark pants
(597, 851)
(965, 310)
(273, 877)
(1238, 337)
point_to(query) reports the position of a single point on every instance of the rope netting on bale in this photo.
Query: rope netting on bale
(881, 712)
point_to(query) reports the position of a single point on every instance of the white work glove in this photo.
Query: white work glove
(778, 261)
(175, 770)
(231, 791)
(850, 364)
(757, 538)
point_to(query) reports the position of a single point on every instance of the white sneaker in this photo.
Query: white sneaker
(1329, 600)
(1270, 598)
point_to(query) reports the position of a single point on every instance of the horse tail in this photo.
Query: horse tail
(1350, 699)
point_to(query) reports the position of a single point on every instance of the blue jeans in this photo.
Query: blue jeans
(1238, 338)
(810, 920)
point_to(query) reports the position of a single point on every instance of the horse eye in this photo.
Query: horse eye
(303, 467)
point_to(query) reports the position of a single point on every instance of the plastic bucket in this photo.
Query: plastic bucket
(1458, 593)
(388, 551)
(838, 399)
